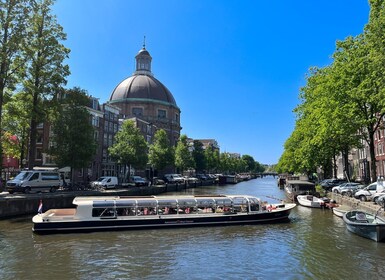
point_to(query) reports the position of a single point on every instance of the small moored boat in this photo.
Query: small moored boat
(310, 201)
(341, 210)
(365, 224)
(124, 213)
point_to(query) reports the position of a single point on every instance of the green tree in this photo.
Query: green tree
(73, 133)
(183, 158)
(358, 74)
(45, 70)
(16, 122)
(130, 147)
(259, 168)
(212, 158)
(250, 163)
(13, 21)
(161, 153)
(199, 156)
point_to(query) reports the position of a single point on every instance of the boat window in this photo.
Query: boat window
(305, 187)
(205, 205)
(126, 211)
(167, 206)
(254, 204)
(103, 203)
(223, 205)
(147, 207)
(187, 206)
(240, 204)
(146, 210)
(122, 203)
(147, 203)
(103, 212)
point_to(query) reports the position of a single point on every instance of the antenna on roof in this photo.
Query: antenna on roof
(144, 42)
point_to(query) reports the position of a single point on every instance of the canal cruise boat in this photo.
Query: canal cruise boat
(125, 213)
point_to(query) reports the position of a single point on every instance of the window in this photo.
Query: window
(137, 111)
(176, 117)
(39, 138)
(95, 121)
(162, 114)
(95, 104)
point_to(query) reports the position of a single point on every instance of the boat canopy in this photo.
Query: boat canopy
(171, 201)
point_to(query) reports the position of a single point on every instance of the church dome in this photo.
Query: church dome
(142, 86)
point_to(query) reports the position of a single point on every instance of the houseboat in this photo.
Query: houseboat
(293, 188)
(124, 213)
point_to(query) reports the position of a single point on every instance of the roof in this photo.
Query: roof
(142, 87)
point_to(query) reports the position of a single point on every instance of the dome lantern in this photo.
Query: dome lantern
(143, 61)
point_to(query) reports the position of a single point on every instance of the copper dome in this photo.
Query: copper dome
(142, 86)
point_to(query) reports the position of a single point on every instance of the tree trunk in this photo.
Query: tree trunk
(373, 171)
(334, 167)
(33, 132)
(345, 156)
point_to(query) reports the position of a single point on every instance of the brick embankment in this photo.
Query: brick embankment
(367, 206)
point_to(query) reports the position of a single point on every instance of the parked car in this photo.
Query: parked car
(381, 200)
(367, 193)
(328, 185)
(376, 196)
(138, 181)
(190, 179)
(107, 182)
(34, 181)
(157, 181)
(202, 177)
(337, 189)
(173, 179)
(350, 191)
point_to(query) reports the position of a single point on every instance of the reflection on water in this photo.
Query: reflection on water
(313, 245)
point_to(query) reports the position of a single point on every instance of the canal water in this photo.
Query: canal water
(313, 245)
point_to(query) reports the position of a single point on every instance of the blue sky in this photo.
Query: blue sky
(234, 67)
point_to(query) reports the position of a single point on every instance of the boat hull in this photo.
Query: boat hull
(313, 203)
(159, 221)
(371, 230)
(338, 212)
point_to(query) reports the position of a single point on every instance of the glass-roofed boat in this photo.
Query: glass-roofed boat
(124, 213)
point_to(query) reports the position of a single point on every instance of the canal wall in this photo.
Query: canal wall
(27, 204)
(367, 206)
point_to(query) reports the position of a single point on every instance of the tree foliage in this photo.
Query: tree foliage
(73, 133)
(198, 155)
(161, 154)
(45, 68)
(130, 147)
(341, 104)
(183, 158)
(13, 26)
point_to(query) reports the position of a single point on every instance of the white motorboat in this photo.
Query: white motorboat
(310, 201)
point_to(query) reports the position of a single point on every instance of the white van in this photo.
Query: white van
(34, 181)
(368, 192)
(106, 182)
